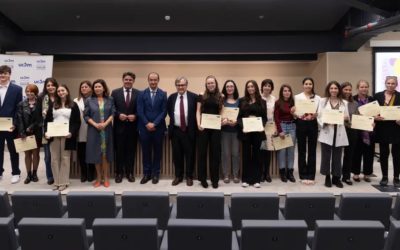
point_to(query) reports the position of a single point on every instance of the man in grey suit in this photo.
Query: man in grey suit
(125, 128)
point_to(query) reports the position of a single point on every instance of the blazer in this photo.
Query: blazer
(93, 143)
(74, 125)
(122, 127)
(191, 119)
(12, 98)
(327, 130)
(29, 119)
(155, 113)
(387, 131)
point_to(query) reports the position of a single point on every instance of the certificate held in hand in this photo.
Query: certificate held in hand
(211, 121)
(56, 129)
(305, 106)
(332, 116)
(390, 113)
(230, 113)
(22, 145)
(6, 123)
(370, 109)
(252, 124)
(270, 128)
(280, 143)
(362, 122)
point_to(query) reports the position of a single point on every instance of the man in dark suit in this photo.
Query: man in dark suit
(10, 96)
(125, 128)
(151, 111)
(182, 129)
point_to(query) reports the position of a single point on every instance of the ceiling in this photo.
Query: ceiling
(185, 15)
(191, 27)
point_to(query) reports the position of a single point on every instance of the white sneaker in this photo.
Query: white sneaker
(257, 185)
(245, 184)
(14, 179)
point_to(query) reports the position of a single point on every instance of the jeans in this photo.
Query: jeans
(286, 155)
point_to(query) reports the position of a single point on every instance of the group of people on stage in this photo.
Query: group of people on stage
(105, 127)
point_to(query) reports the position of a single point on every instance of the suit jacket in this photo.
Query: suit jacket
(191, 119)
(155, 113)
(387, 131)
(93, 144)
(121, 128)
(11, 100)
(74, 125)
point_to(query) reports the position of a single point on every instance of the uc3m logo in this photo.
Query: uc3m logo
(25, 65)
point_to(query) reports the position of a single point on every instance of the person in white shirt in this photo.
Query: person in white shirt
(332, 137)
(307, 134)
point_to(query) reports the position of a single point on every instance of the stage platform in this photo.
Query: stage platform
(165, 184)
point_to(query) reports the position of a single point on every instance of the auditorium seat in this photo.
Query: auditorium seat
(5, 207)
(253, 206)
(8, 239)
(126, 234)
(348, 235)
(200, 205)
(147, 205)
(393, 240)
(396, 208)
(309, 207)
(91, 205)
(44, 204)
(273, 234)
(53, 233)
(366, 206)
(199, 234)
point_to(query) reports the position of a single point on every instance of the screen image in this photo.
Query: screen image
(386, 64)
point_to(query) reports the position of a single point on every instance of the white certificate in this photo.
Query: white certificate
(252, 124)
(230, 113)
(270, 128)
(370, 109)
(55, 129)
(332, 116)
(6, 123)
(362, 122)
(25, 145)
(280, 143)
(390, 113)
(211, 121)
(305, 106)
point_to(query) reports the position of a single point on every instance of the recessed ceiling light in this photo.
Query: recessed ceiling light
(78, 16)
(167, 17)
(261, 17)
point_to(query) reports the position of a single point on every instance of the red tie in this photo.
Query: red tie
(128, 97)
(182, 114)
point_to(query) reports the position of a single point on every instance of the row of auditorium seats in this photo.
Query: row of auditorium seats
(195, 234)
(243, 206)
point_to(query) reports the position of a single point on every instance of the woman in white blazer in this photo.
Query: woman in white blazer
(332, 137)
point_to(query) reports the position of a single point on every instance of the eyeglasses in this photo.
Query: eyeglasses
(180, 85)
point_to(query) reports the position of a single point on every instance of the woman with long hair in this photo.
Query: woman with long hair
(29, 122)
(333, 137)
(64, 110)
(230, 142)
(285, 124)
(46, 100)
(251, 105)
(352, 134)
(365, 145)
(267, 86)
(388, 132)
(99, 112)
(87, 170)
(209, 102)
(307, 134)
